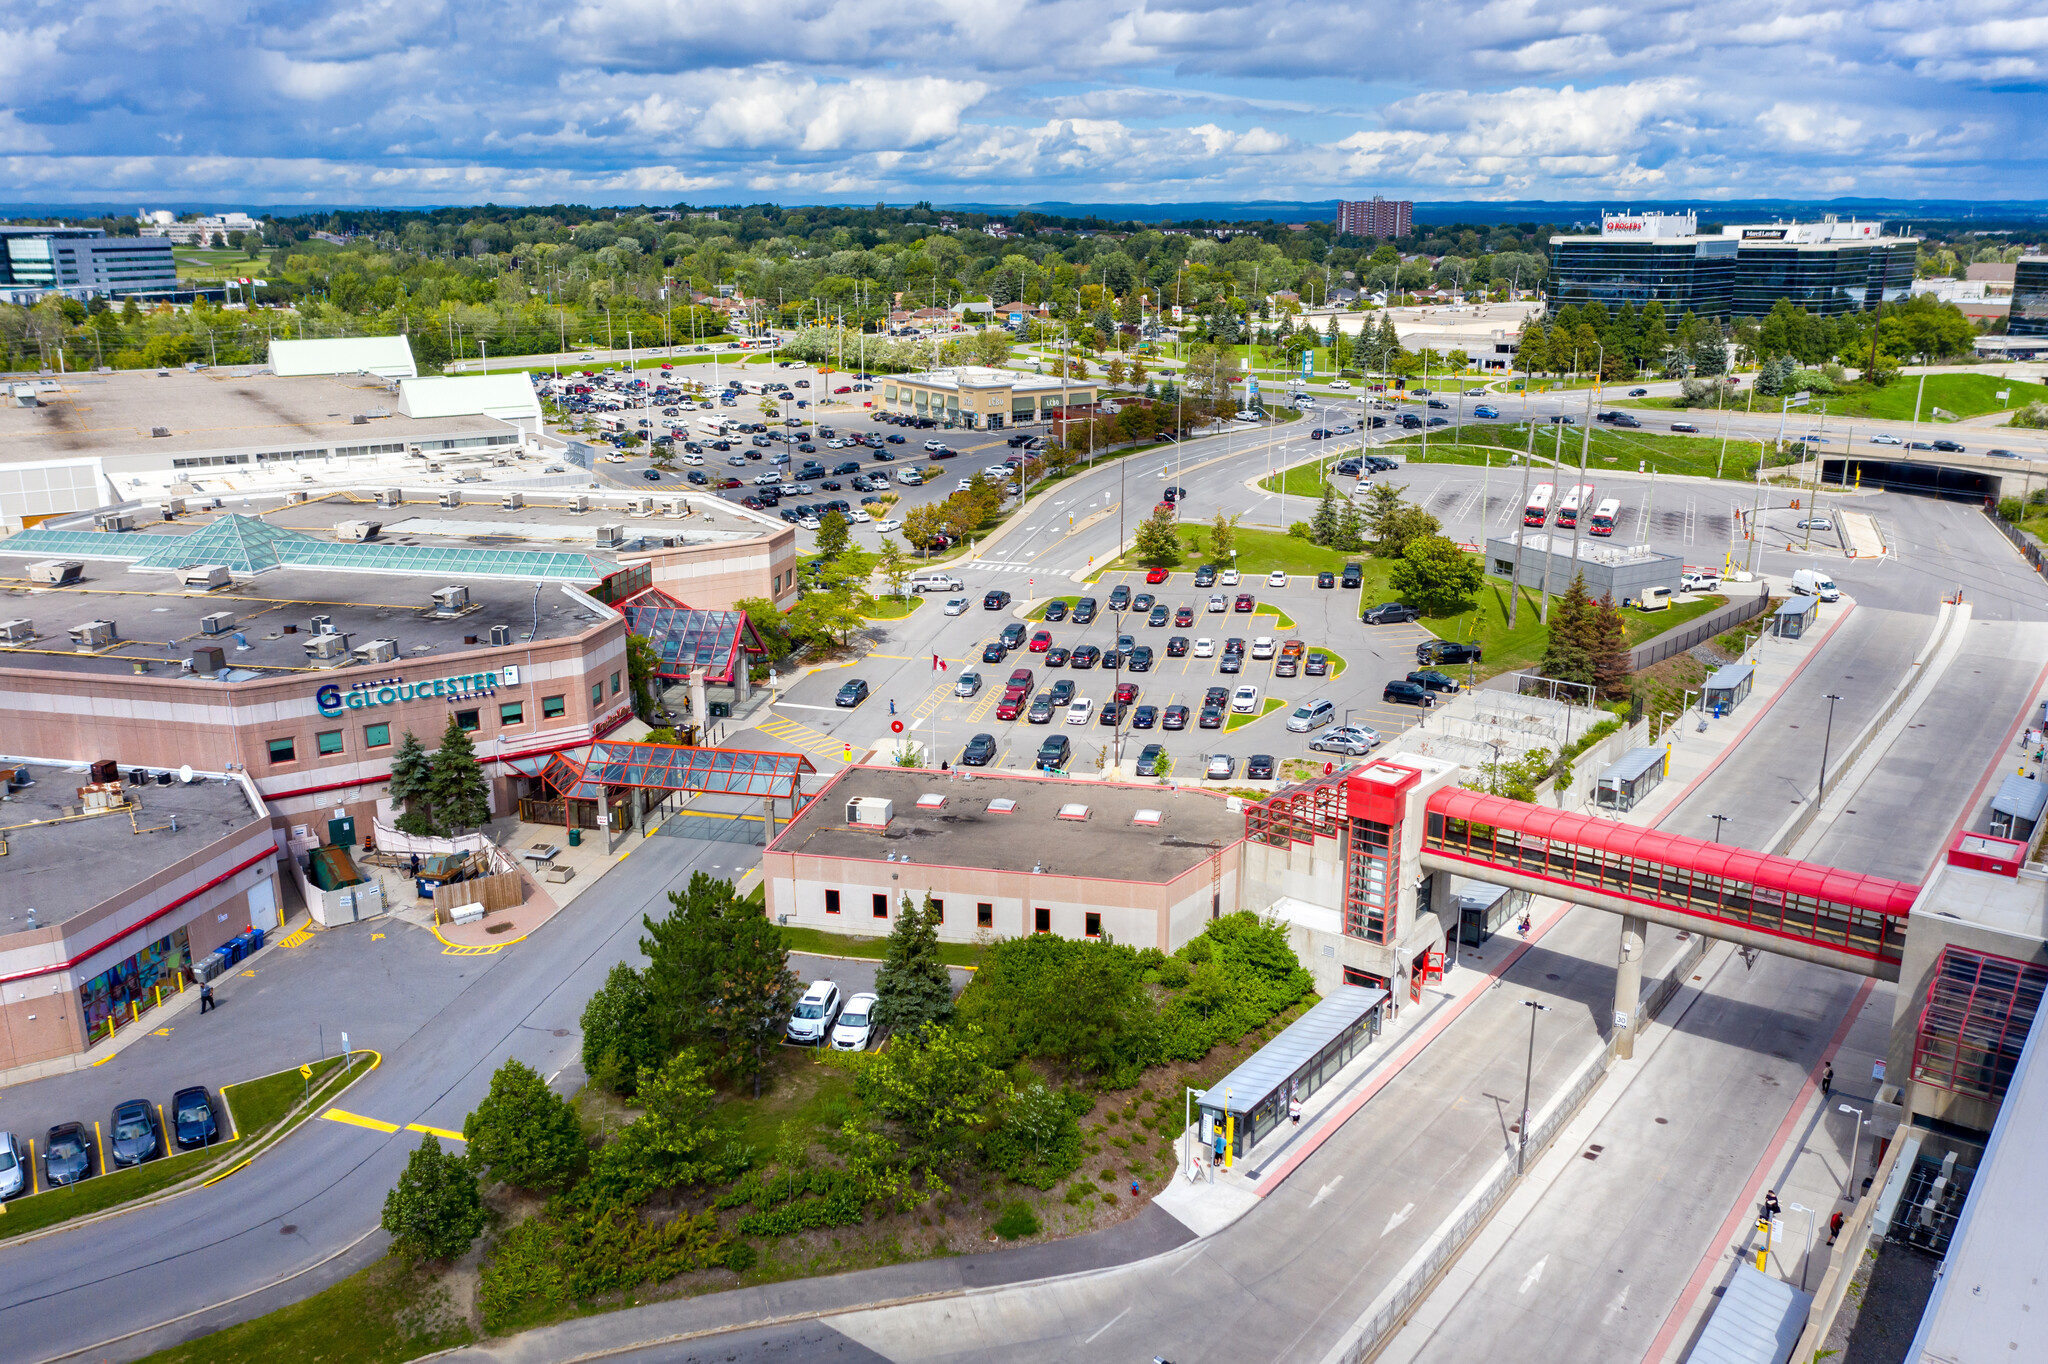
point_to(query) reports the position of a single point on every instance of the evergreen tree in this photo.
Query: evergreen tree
(456, 787)
(1610, 650)
(619, 1032)
(411, 770)
(1569, 654)
(1324, 526)
(753, 991)
(912, 987)
(1350, 528)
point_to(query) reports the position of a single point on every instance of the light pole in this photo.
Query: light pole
(1826, 735)
(1855, 1150)
(1801, 1207)
(1719, 820)
(1528, 1077)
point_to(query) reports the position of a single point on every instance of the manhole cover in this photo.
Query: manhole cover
(1663, 1121)
(287, 1229)
(498, 928)
(561, 1032)
(1553, 976)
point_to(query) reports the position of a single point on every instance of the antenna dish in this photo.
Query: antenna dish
(185, 774)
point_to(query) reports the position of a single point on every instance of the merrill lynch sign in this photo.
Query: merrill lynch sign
(333, 701)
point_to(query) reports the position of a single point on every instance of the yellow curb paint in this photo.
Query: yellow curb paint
(104, 1059)
(440, 1132)
(358, 1120)
(163, 1032)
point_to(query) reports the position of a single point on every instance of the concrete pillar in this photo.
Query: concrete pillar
(768, 811)
(700, 713)
(1628, 985)
(640, 811)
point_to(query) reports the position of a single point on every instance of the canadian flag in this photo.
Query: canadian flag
(938, 664)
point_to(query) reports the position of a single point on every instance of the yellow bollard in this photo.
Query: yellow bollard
(1763, 1250)
(134, 1009)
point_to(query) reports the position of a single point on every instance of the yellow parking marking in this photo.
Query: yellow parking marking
(440, 1132)
(358, 1120)
(249, 973)
(163, 1032)
(458, 950)
(376, 937)
(297, 939)
(801, 737)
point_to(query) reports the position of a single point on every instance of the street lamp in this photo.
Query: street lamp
(1855, 1148)
(1826, 735)
(1528, 1076)
(1719, 820)
(1801, 1207)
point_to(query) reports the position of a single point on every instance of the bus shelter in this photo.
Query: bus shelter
(2016, 809)
(1727, 688)
(1795, 616)
(1627, 781)
(1252, 1100)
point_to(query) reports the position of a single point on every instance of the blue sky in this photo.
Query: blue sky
(611, 101)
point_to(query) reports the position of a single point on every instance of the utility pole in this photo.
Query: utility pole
(1528, 1079)
(1521, 532)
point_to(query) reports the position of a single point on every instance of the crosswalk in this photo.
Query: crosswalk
(802, 737)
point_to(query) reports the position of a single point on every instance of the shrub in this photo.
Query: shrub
(1173, 973)
(2034, 415)
(741, 1257)
(523, 1133)
(525, 1277)
(1017, 1220)
(1039, 1141)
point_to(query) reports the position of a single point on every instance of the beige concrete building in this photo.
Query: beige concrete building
(984, 398)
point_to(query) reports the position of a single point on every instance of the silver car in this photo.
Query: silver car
(13, 1174)
(1350, 740)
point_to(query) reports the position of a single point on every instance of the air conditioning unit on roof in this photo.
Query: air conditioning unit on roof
(870, 812)
(378, 651)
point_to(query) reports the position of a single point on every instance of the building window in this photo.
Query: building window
(615, 684)
(512, 712)
(938, 910)
(596, 695)
(283, 751)
(1094, 924)
(1041, 920)
(553, 707)
(376, 736)
(984, 916)
(831, 902)
(329, 742)
(881, 906)
(468, 721)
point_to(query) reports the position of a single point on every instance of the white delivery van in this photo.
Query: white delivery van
(1809, 583)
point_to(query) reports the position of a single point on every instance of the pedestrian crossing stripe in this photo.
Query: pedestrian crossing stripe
(801, 736)
(457, 950)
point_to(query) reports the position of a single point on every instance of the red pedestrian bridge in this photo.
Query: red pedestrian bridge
(1800, 909)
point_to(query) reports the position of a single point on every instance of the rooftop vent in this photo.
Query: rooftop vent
(322, 625)
(172, 508)
(378, 651)
(159, 432)
(391, 497)
(579, 503)
(56, 572)
(1146, 817)
(501, 635)
(219, 623)
(330, 650)
(870, 812)
(452, 497)
(206, 577)
(452, 600)
(207, 660)
(94, 634)
(357, 530)
(115, 521)
(610, 535)
(20, 631)
(512, 501)
(1002, 805)
(932, 800)
(1073, 809)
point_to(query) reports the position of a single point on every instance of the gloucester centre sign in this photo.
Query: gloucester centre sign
(333, 701)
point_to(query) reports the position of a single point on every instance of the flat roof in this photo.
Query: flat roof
(984, 376)
(492, 395)
(390, 356)
(963, 832)
(61, 870)
(1632, 764)
(215, 409)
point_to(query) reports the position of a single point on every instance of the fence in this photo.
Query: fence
(2029, 548)
(1706, 627)
(499, 890)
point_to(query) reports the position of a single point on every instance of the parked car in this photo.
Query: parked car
(1219, 603)
(851, 694)
(67, 1154)
(980, 751)
(1177, 646)
(1041, 641)
(1119, 598)
(13, 1173)
(1055, 611)
(968, 685)
(193, 1119)
(1391, 613)
(135, 1135)
(1436, 681)
(1326, 579)
(1259, 767)
(1157, 575)
(1012, 635)
(995, 601)
(1148, 759)
(1221, 767)
(1442, 651)
(815, 1013)
(1080, 710)
(1408, 693)
(1245, 700)
(1205, 576)
(1054, 753)
(1350, 740)
(853, 1031)
(1211, 717)
(1316, 665)
(1087, 656)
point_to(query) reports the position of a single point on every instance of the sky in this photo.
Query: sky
(1016, 101)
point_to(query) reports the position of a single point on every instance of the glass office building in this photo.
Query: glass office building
(82, 262)
(1827, 277)
(1685, 274)
(2029, 298)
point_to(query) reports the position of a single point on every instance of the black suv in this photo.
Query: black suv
(980, 751)
(1442, 651)
(1436, 681)
(1119, 598)
(1084, 610)
(1054, 752)
(1354, 575)
(995, 601)
(1408, 694)
(1205, 576)
(1013, 634)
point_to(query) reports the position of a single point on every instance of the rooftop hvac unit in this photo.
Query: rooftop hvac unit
(674, 506)
(640, 506)
(322, 625)
(391, 497)
(451, 498)
(206, 577)
(295, 496)
(172, 508)
(511, 501)
(327, 648)
(19, 631)
(870, 812)
(219, 623)
(358, 419)
(208, 659)
(378, 651)
(94, 634)
(115, 521)
(102, 796)
(451, 600)
(357, 530)
(501, 635)
(579, 503)
(610, 535)
(56, 572)
(159, 432)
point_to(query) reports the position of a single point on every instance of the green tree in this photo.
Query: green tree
(411, 771)
(753, 991)
(1568, 654)
(1222, 536)
(1611, 656)
(912, 987)
(1436, 576)
(1350, 528)
(769, 624)
(523, 1133)
(923, 524)
(833, 536)
(1157, 541)
(456, 786)
(1408, 524)
(938, 1086)
(434, 1211)
(620, 1035)
(894, 565)
(670, 1145)
(643, 662)
(826, 617)
(1323, 527)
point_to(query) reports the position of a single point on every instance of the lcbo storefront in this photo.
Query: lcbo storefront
(132, 985)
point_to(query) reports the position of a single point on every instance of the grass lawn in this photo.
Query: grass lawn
(381, 1315)
(1965, 395)
(895, 608)
(1038, 611)
(256, 1106)
(1620, 451)
(796, 1088)
(1306, 480)
(818, 941)
(1280, 618)
(1258, 552)
(1266, 707)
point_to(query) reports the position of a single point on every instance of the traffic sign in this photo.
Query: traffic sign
(895, 726)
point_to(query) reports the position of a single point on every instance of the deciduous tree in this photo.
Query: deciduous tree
(1436, 576)
(523, 1133)
(434, 1211)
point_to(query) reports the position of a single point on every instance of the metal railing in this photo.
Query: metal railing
(2030, 549)
(1706, 627)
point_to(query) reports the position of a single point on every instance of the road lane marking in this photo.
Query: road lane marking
(1397, 1219)
(440, 1132)
(1326, 1191)
(1535, 1273)
(358, 1120)
(1107, 1324)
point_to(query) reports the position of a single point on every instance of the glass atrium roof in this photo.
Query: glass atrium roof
(686, 638)
(249, 545)
(723, 771)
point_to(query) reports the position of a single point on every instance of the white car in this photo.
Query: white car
(886, 526)
(1080, 709)
(1276, 578)
(689, 458)
(1205, 648)
(957, 606)
(808, 522)
(614, 459)
(1245, 699)
(853, 1032)
(1230, 577)
(1341, 383)
(12, 1166)
(859, 517)
(1816, 523)
(964, 485)
(812, 1021)
(1262, 647)
(1885, 438)
(1218, 604)
(837, 444)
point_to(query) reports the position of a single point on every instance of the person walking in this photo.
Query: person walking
(1834, 1227)
(1827, 1081)
(1771, 1208)
(205, 996)
(1218, 1160)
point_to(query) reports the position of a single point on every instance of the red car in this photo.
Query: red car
(1244, 601)
(1010, 706)
(1157, 575)
(843, 388)
(1126, 692)
(1041, 641)
(1184, 616)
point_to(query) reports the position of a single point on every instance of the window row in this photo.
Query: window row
(329, 742)
(984, 913)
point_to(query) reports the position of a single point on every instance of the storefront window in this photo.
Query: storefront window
(121, 989)
(512, 713)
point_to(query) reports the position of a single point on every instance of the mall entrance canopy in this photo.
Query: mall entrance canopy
(606, 768)
(686, 638)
